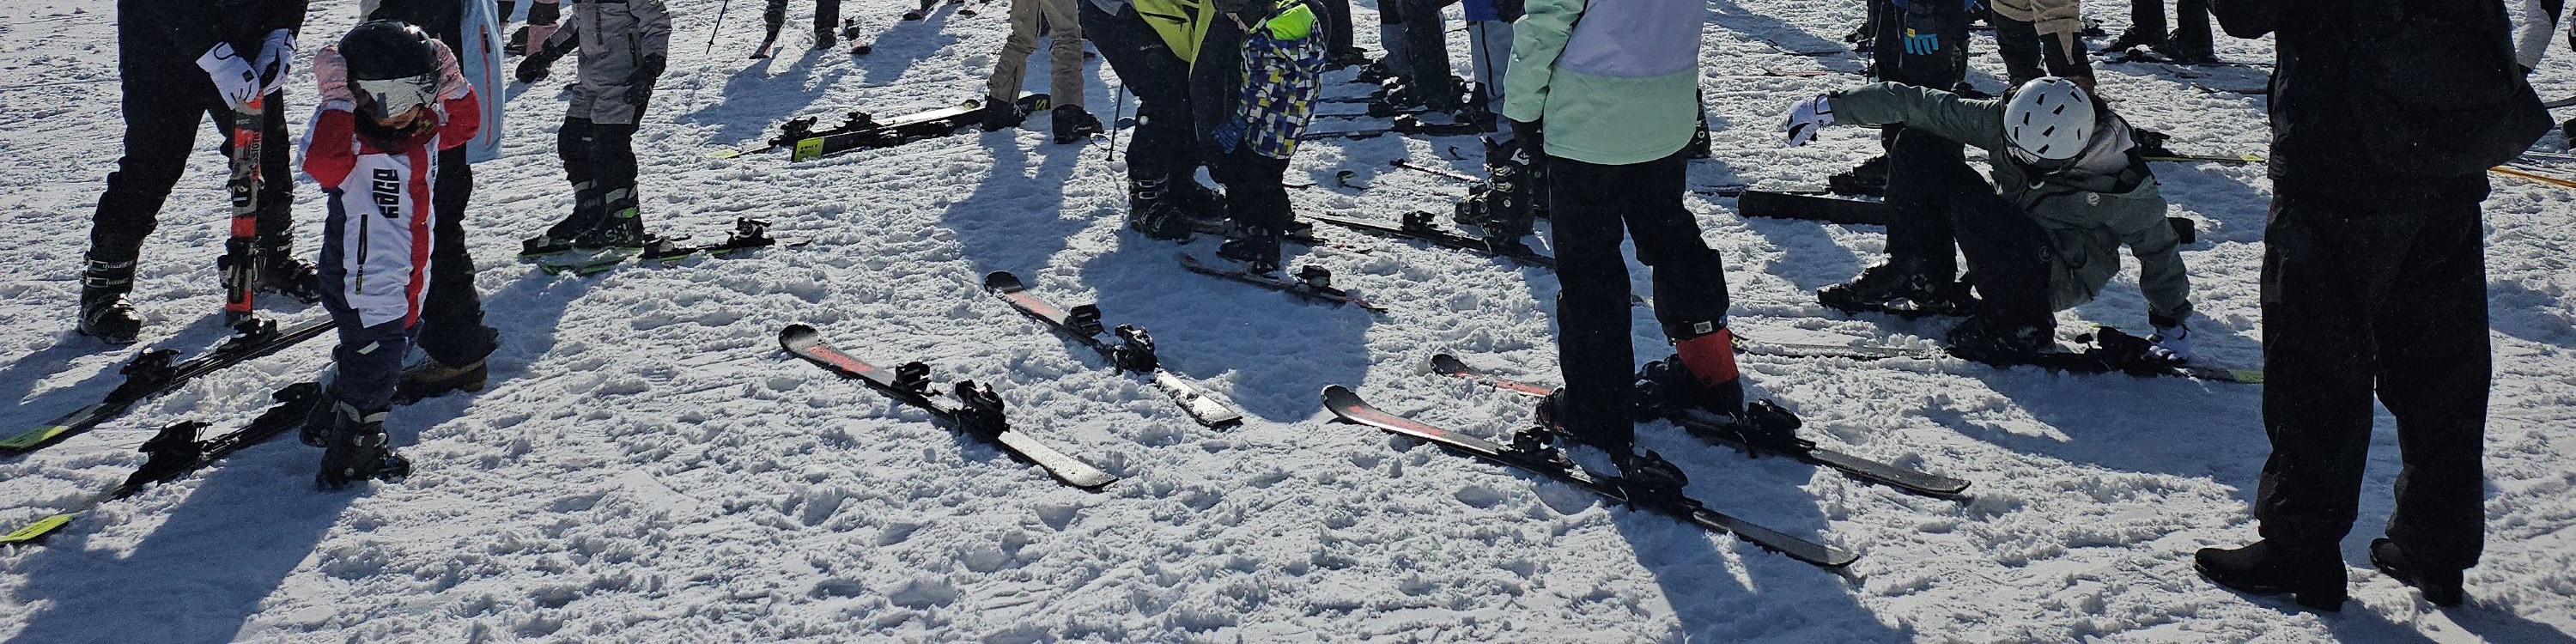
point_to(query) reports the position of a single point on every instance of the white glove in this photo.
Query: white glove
(233, 76)
(276, 57)
(2172, 343)
(1806, 118)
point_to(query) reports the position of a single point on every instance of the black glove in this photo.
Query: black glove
(1528, 135)
(533, 69)
(639, 86)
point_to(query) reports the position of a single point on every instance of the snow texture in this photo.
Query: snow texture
(647, 466)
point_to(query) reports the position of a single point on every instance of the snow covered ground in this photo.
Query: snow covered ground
(648, 467)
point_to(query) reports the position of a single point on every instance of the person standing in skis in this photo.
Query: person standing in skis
(624, 46)
(1029, 19)
(827, 24)
(180, 61)
(2189, 43)
(2070, 189)
(1279, 74)
(1606, 94)
(2041, 38)
(1154, 47)
(392, 100)
(1503, 207)
(2385, 117)
(1923, 43)
(452, 333)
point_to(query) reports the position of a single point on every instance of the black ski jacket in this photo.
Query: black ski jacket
(2368, 92)
(181, 30)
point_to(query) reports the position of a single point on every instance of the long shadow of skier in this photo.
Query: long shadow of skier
(753, 100)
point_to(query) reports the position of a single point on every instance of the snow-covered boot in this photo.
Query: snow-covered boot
(104, 313)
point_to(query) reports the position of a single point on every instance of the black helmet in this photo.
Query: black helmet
(388, 49)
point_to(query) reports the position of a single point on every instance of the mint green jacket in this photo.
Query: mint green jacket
(1615, 82)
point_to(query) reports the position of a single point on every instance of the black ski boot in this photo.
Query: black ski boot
(1977, 337)
(558, 238)
(999, 114)
(623, 229)
(2133, 38)
(1651, 481)
(431, 379)
(2440, 586)
(2184, 53)
(1504, 208)
(1869, 179)
(1152, 210)
(281, 272)
(104, 313)
(1200, 202)
(1074, 124)
(354, 447)
(1346, 57)
(1256, 246)
(2312, 577)
(1887, 288)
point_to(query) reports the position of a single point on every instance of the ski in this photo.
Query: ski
(1772, 431)
(239, 265)
(977, 412)
(153, 373)
(1417, 226)
(1313, 283)
(1404, 124)
(2168, 156)
(1833, 210)
(1133, 353)
(1349, 407)
(1462, 177)
(864, 132)
(748, 235)
(2105, 350)
(177, 452)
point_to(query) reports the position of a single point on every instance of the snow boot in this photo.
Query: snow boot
(354, 447)
(281, 272)
(1887, 288)
(1074, 124)
(2441, 587)
(2312, 577)
(1978, 336)
(1151, 209)
(1256, 246)
(104, 313)
(1869, 179)
(431, 379)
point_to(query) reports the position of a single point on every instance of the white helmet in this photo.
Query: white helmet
(2048, 121)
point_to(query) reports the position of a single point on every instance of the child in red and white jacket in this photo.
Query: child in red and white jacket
(392, 97)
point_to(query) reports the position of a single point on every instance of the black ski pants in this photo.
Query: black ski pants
(1937, 203)
(1337, 24)
(827, 17)
(599, 160)
(1593, 207)
(2191, 27)
(2366, 295)
(451, 317)
(164, 99)
(1160, 80)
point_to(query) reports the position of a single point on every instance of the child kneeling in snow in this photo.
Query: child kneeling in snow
(392, 97)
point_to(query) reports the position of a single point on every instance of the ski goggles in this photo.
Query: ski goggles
(392, 96)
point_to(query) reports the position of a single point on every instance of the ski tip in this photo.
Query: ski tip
(38, 530)
(1338, 398)
(31, 438)
(1447, 364)
(797, 334)
(1003, 281)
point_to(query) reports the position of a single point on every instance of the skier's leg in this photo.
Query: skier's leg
(573, 146)
(1489, 49)
(2007, 252)
(451, 323)
(160, 130)
(1690, 282)
(1922, 170)
(542, 18)
(1595, 356)
(2191, 26)
(1159, 80)
(1064, 35)
(2018, 43)
(1010, 65)
(1337, 30)
(612, 158)
(2320, 357)
(827, 22)
(773, 16)
(1426, 45)
(1398, 60)
(2434, 371)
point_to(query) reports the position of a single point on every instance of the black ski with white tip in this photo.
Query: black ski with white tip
(1313, 283)
(977, 411)
(1772, 432)
(1350, 408)
(1133, 353)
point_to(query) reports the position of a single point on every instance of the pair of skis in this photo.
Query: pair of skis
(153, 373)
(177, 452)
(969, 408)
(862, 131)
(748, 234)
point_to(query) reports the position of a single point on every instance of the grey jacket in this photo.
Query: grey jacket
(2108, 201)
(623, 45)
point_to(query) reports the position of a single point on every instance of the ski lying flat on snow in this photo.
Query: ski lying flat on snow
(176, 452)
(1132, 357)
(1303, 290)
(1418, 228)
(152, 374)
(1350, 408)
(1719, 429)
(2093, 359)
(807, 343)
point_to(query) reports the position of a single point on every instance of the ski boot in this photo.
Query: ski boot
(354, 446)
(558, 238)
(1154, 211)
(1869, 179)
(1978, 338)
(623, 230)
(999, 114)
(825, 38)
(2133, 38)
(1346, 57)
(281, 272)
(1701, 374)
(1074, 124)
(431, 379)
(2312, 577)
(104, 313)
(1650, 481)
(1887, 288)
(1257, 248)
(2184, 53)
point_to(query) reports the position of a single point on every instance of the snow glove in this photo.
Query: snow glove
(2171, 343)
(1806, 118)
(641, 82)
(1532, 139)
(241, 80)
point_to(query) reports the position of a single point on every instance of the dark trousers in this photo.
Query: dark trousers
(451, 324)
(1593, 207)
(1337, 24)
(1937, 57)
(164, 98)
(2191, 29)
(1256, 191)
(1936, 203)
(599, 161)
(827, 17)
(2364, 296)
(1160, 80)
(2027, 55)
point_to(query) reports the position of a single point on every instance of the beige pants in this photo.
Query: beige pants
(1028, 17)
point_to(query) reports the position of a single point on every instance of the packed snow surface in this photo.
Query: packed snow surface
(648, 466)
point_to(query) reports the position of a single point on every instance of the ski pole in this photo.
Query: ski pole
(1117, 112)
(711, 34)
